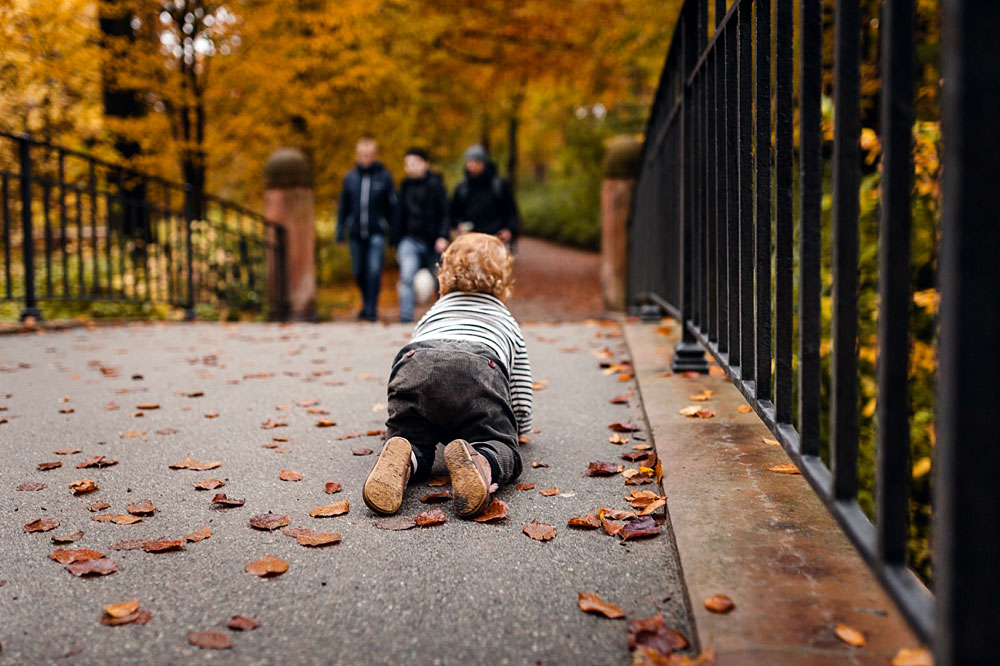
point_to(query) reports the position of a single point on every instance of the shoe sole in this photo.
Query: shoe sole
(383, 491)
(468, 488)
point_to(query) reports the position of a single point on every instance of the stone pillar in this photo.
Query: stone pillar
(289, 202)
(620, 166)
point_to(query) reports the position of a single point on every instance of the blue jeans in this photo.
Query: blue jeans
(366, 264)
(412, 255)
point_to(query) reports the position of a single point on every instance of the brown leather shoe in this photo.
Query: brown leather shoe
(470, 478)
(383, 491)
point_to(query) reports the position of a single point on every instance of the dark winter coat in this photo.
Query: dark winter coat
(423, 209)
(367, 205)
(486, 201)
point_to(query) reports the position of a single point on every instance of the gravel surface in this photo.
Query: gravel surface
(458, 593)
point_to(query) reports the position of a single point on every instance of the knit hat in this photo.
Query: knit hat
(477, 153)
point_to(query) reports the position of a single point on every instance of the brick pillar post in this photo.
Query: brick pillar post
(620, 166)
(289, 202)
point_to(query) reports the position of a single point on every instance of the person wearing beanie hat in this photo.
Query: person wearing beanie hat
(483, 202)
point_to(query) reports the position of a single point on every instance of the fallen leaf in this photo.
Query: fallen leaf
(308, 403)
(67, 538)
(591, 603)
(395, 524)
(587, 521)
(102, 567)
(139, 616)
(99, 505)
(628, 426)
(190, 463)
(193, 394)
(67, 410)
(644, 526)
(269, 445)
(525, 486)
(618, 439)
(716, 371)
(362, 452)
(549, 492)
(430, 518)
(220, 498)
(784, 468)
(68, 556)
(317, 539)
(96, 461)
(540, 385)
(771, 441)
(719, 603)
(271, 424)
(497, 510)
(535, 463)
(269, 521)
(337, 509)
(141, 508)
(212, 415)
(242, 623)
(42, 525)
(132, 434)
(701, 397)
(267, 566)
(210, 640)
(913, 657)
(66, 452)
(203, 533)
(850, 635)
(615, 514)
(744, 409)
(111, 406)
(209, 484)
(332, 487)
(122, 609)
(632, 456)
(147, 406)
(434, 498)
(439, 481)
(166, 431)
(156, 546)
(653, 633)
(603, 469)
(45, 466)
(641, 447)
(523, 439)
(289, 475)
(296, 532)
(117, 519)
(325, 423)
(653, 507)
(30, 486)
(129, 545)
(539, 531)
(620, 399)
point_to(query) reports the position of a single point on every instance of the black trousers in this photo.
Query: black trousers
(440, 390)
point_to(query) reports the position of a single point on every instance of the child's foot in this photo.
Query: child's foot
(383, 492)
(470, 478)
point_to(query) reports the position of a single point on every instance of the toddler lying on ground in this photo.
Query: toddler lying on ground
(464, 378)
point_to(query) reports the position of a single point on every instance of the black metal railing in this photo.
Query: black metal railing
(78, 228)
(715, 201)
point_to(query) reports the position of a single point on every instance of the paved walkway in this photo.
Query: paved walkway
(458, 593)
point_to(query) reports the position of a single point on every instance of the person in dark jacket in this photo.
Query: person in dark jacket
(421, 231)
(365, 212)
(483, 202)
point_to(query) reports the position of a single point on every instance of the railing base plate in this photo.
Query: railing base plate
(689, 357)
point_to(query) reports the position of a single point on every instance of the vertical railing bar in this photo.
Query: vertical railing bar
(145, 225)
(121, 220)
(810, 200)
(108, 213)
(5, 196)
(30, 308)
(745, 191)
(762, 229)
(95, 288)
(732, 190)
(718, 202)
(844, 243)
(783, 198)
(47, 235)
(893, 444)
(78, 201)
(62, 224)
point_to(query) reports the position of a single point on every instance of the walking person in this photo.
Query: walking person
(483, 202)
(365, 212)
(421, 231)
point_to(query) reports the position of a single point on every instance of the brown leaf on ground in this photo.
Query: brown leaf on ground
(99, 505)
(41, 525)
(167, 431)
(210, 640)
(242, 623)
(316, 411)
(591, 603)
(336, 509)
(141, 508)
(289, 475)
(203, 533)
(641, 447)
(311, 402)
(96, 461)
(540, 385)
(318, 539)
(496, 510)
(696, 412)
(67, 538)
(784, 468)
(362, 452)
(430, 518)
(269, 445)
(632, 456)
(220, 498)
(135, 544)
(628, 426)
(190, 463)
(268, 565)
(66, 410)
(374, 433)
(643, 498)
(434, 498)
(101, 567)
(139, 616)
(611, 527)
(296, 532)
(30, 486)
(643, 526)
(850, 635)
(615, 514)
(122, 609)
(209, 484)
(67, 556)
(193, 394)
(45, 466)
(620, 399)
(112, 406)
(744, 409)
(395, 524)
(719, 603)
(702, 397)
(603, 469)
(271, 424)
(653, 634)
(523, 439)
(587, 521)
(653, 506)
(618, 439)
(269, 521)
(332, 487)
(66, 452)
(212, 415)
(913, 657)
(771, 441)
(525, 486)
(325, 423)
(117, 519)
(439, 481)
(156, 546)
(535, 463)
(548, 492)
(131, 434)
(539, 531)
(147, 406)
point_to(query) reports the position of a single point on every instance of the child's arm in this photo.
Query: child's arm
(521, 395)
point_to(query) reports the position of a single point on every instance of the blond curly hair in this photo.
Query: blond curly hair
(477, 263)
